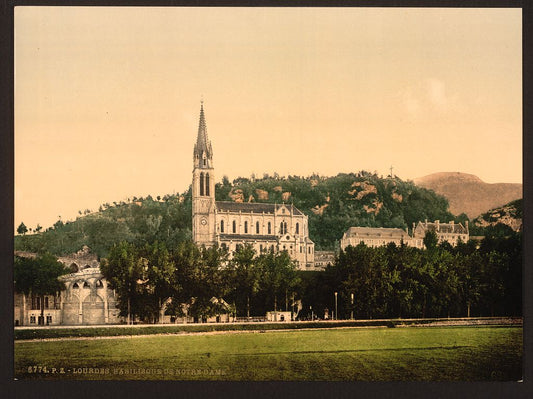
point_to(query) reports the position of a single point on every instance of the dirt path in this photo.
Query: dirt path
(398, 324)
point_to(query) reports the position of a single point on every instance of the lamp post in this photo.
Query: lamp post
(352, 305)
(336, 315)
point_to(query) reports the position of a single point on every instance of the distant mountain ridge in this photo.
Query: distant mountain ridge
(467, 193)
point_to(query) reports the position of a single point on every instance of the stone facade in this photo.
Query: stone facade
(229, 224)
(450, 232)
(86, 300)
(374, 237)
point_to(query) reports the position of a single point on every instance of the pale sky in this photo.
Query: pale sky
(107, 100)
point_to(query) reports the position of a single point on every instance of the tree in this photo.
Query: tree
(123, 268)
(157, 283)
(245, 276)
(203, 279)
(38, 228)
(39, 277)
(278, 274)
(22, 229)
(430, 240)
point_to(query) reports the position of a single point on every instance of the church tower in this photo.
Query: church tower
(203, 188)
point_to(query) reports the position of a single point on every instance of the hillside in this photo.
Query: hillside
(509, 215)
(332, 204)
(468, 194)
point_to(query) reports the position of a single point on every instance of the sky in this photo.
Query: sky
(107, 100)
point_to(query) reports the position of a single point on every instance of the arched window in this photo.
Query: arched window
(269, 228)
(75, 286)
(281, 228)
(202, 183)
(86, 285)
(260, 248)
(284, 227)
(297, 228)
(99, 284)
(256, 227)
(246, 227)
(207, 184)
(234, 226)
(221, 226)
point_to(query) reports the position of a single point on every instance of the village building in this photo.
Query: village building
(374, 237)
(324, 259)
(449, 232)
(86, 300)
(277, 227)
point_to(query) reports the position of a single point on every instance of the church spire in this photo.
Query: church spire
(203, 145)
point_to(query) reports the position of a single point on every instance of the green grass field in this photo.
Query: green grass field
(355, 354)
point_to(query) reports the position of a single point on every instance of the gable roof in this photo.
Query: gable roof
(255, 207)
(384, 232)
(437, 227)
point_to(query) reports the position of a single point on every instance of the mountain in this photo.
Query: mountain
(468, 194)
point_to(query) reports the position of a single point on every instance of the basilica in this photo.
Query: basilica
(228, 224)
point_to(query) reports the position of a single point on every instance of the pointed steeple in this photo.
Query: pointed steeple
(203, 145)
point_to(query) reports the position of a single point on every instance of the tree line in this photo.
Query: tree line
(197, 282)
(470, 279)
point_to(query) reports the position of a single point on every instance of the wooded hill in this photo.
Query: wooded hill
(332, 204)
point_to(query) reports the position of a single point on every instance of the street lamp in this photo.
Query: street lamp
(336, 314)
(352, 305)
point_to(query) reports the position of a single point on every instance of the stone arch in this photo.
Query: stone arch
(71, 308)
(93, 309)
(74, 268)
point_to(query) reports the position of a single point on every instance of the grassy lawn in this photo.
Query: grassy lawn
(365, 354)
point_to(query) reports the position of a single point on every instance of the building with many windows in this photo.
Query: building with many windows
(449, 232)
(376, 237)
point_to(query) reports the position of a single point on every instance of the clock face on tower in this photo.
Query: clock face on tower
(203, 221)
